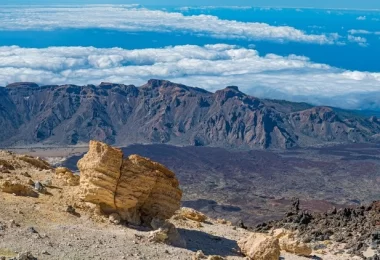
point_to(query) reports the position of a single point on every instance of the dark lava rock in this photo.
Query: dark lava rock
(357, 227)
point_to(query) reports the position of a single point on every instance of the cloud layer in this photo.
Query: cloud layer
(353, 31)
(131, 18)
(211, 67)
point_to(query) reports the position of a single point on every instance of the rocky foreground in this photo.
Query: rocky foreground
(129, 208)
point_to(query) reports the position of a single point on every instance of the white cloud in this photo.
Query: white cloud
(230, 7)
(353, 31)
(357, 39)
(129, 18)
(361, 18)
(363, 32)
(211, 67)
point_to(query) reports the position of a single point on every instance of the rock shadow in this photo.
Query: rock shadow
(209, 244)
(71, 162)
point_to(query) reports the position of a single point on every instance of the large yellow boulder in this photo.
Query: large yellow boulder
(136, 188)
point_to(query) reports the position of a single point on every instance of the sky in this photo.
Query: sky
(321, 56)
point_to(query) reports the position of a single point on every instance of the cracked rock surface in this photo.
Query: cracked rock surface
(134, 187)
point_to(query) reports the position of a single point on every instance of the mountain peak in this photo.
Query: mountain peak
(228, 93)
(235, 88)
(156, 83)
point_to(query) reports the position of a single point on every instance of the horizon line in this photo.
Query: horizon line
(192, 6)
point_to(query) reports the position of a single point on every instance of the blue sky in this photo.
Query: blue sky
(364, 4)
(324, 57)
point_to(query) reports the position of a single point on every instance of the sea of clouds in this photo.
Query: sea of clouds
(131, 18)
(210, 67)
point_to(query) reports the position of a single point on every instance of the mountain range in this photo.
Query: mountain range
(164, 112)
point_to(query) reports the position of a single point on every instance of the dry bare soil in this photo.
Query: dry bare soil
(43, 226)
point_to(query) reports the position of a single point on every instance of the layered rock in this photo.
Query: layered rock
(16, 174)
(69, 178)
(135, 187)
(260, 247)
(166, 232)
(36, 162)
(192, 214)
(290, 243)
(18, 189)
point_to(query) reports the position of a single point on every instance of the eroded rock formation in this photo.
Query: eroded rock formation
(67, 176)
(192, 214)
(18, 189)
(290, 243)
(135, 187)
(260, 247)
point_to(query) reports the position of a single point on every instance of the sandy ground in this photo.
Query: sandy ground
(52, 152)
(43, 227)
(60, 235)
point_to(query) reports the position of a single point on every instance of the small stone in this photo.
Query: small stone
(215, 257)
(70, 209)
(114, 218)
(199, 255)
(26, 174)
(12, 223)
(32, 230)
(189, 213)
(242, 225)
(39, 187)
(25, 256)
(47, 183)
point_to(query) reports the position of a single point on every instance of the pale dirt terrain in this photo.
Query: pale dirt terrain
(64, 236)
(43, 227)
(54, 155)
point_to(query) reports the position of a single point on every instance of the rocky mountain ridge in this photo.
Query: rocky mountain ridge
(165, 112)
